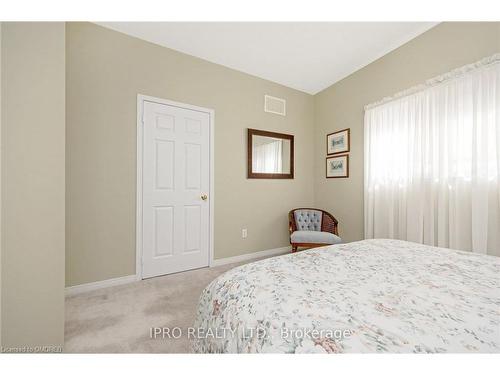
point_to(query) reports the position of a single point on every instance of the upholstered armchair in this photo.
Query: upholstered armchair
(311, 227)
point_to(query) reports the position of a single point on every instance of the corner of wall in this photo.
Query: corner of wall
(315, 165)
(32, 277)
(0, 184)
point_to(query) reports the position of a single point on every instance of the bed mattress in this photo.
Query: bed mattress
(360, 297)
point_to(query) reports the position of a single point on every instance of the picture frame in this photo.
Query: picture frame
(337, 166)
(338, 142)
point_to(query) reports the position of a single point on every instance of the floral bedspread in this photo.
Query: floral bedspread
(367, 296)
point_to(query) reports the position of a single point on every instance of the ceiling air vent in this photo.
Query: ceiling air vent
(274, 105)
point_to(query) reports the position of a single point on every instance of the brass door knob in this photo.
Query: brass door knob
(204, 197)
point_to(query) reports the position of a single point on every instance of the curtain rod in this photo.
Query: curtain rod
(443, 78)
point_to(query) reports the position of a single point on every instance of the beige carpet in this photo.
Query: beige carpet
(118, 319)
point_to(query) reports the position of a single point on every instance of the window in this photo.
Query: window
(432, 161)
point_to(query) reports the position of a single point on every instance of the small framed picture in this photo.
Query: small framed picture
(338, 142)
(337, 166)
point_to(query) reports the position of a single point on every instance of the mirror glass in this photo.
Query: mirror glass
(270, 155)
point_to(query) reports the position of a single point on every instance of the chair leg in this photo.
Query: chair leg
(294, 249)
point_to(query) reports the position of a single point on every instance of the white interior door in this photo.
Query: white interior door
(176, 181)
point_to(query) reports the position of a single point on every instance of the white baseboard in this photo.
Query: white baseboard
(77, 289)
(258, 254)
(82, 288)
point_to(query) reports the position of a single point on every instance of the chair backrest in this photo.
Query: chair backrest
(312, 219)
(307, 219)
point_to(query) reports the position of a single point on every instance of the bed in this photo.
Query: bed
(369, 296)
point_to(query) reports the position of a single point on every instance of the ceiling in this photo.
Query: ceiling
(302, 55)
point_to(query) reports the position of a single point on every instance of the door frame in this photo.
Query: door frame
(140, 138)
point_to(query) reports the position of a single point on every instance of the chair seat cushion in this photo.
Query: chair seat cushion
(309, 236)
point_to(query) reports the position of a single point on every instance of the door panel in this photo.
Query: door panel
(176, 162)
(193, 166)
(165, 161)
(192, 217)
(164, 231)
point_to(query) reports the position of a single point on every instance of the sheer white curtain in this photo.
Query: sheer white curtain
(267, 158)
(432, 162)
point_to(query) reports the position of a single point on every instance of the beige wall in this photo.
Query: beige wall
(446, 46)
(105, 72)
(0, 184)
(32, 183)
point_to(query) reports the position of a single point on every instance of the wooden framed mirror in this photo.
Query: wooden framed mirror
(270, 155)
